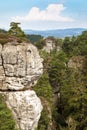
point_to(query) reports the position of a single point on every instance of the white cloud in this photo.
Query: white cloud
(51, 13)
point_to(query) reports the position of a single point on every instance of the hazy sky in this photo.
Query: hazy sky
(44, 14)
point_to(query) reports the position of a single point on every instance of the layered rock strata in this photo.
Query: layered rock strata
(20, 68)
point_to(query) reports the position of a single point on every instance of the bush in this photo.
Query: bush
(6, 119)
(44, 120)
(40, 44)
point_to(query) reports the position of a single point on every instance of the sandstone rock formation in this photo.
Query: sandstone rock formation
(50, 45)
(26, 107)
(20, 68)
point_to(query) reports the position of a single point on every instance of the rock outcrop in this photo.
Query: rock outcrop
(26, 108)
(20, 68)
(50, 45)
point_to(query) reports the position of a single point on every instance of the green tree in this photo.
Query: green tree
(39, 44)
(57, 69)
(59, 42)
(34, 38)
(66, 44)
(43, 88)
(16, 30)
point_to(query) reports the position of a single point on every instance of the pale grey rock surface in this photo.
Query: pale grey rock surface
(26, 107)
(20, 66)
(49, 45)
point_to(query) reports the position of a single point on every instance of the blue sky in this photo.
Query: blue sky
(44, 14)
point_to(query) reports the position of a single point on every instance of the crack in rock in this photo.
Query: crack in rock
(20, 68)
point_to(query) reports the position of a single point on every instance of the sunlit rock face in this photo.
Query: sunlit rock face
(49, 45)
(26, 107)
(20, 66)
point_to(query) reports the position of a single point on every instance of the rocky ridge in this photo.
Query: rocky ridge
(20, 68)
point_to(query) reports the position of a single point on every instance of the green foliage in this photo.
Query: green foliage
(43, 88)
(34, 38)
(3, 31)
(67, 44)
(70, 83)
(44, 91)
(74, 98)
(59, 42)
(40, 44)
(6, 119)
(57, 69)
(4, 38)
(44, 120)
(75, 45)
(15, 30)
(14, 33)
(46, 60)
(52, 38)
(82, 43)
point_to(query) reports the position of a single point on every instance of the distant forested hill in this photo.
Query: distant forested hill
(57, 33)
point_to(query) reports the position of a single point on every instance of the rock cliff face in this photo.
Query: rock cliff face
(26, 108)
(50, 45)
(20, 68)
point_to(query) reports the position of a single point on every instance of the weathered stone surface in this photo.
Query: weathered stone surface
(0, 54)
(26, 107)
(20, 68)
(21, 65)
(50, 45)
(2, 76)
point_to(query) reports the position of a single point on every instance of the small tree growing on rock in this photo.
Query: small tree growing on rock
(16, 30)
